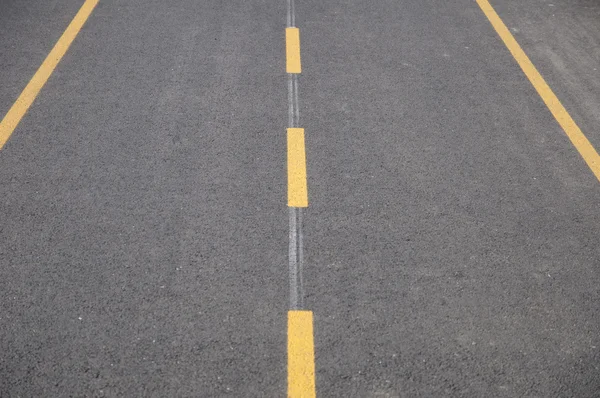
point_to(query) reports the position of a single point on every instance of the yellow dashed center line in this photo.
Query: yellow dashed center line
(297, 189)
(39, 79)
(292, 50)
(300, 344)
(301, 355)
(579, 140)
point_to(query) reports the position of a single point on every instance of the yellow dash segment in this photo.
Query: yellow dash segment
(297, 190)
(20, 107)
(579, 140)
(301, 355)
(292, 50)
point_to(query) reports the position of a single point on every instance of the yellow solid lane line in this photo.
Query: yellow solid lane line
(297, 190)
(20, 107)
(579, 140)
(301, 355)
(292, 50)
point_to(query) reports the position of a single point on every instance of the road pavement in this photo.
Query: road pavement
(450, 243)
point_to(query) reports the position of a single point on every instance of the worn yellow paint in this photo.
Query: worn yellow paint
(292, 50)
(579, 140)
(301, 355)
(39, 79)
(296, 162)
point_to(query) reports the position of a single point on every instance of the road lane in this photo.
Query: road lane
(451, 242)
(144, 232)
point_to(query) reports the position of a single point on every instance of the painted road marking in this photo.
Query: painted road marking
(301, 352)
(292, 50)
(301, 355)
(39, 79)
(579, 140)
(297, 190)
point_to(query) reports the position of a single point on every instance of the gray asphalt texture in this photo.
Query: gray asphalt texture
(451, 239)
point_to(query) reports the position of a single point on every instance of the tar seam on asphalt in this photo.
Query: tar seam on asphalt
(301, 354)
(296, 249)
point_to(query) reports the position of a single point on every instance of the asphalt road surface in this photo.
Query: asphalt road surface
(451, 242)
